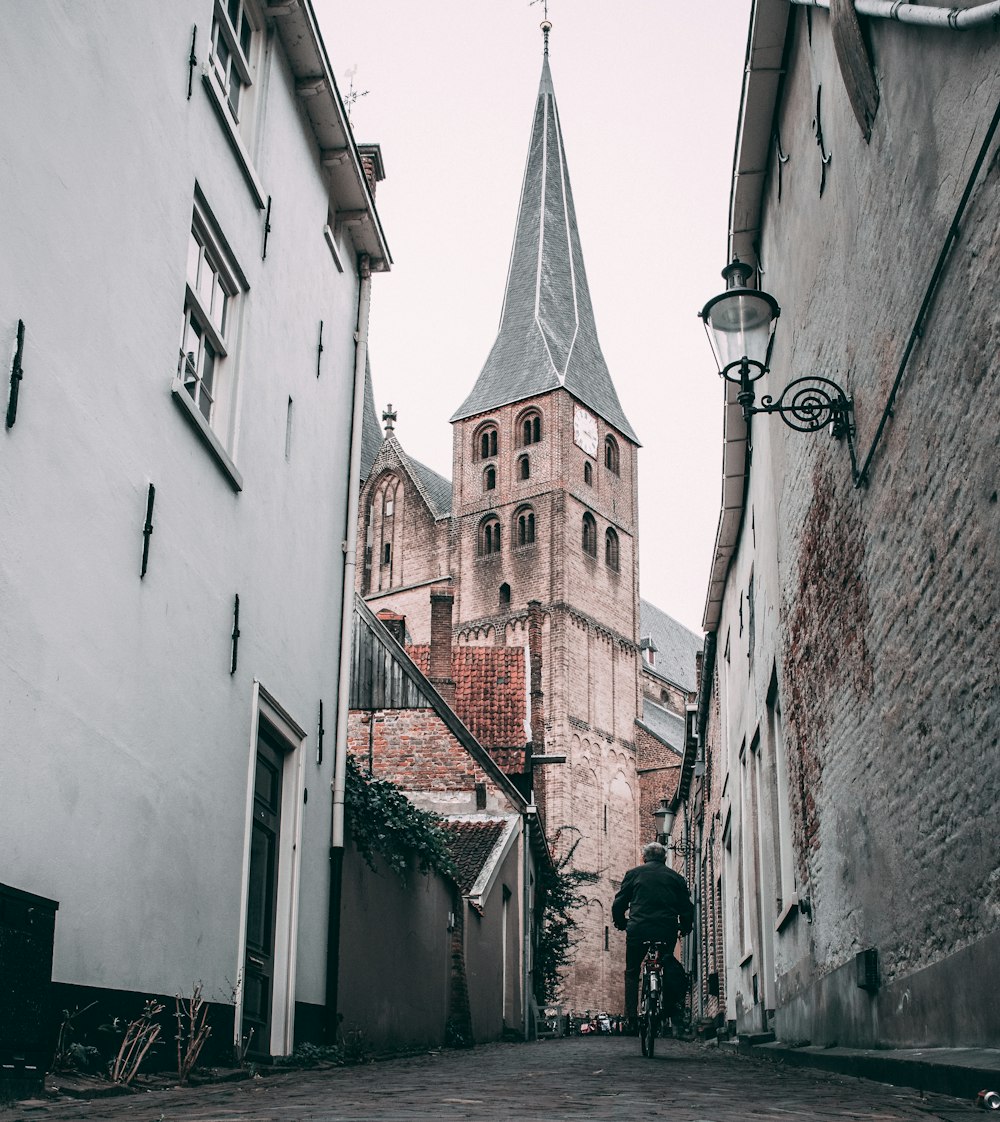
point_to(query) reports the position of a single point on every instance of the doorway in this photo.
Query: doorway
(262, 892)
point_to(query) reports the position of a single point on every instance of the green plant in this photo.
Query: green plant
(71, 1054)
(385, 823)
(140, 1036)
(455, 1036)
(355, 1048)
(559, 899)
(193, 1030)
(312, 1055)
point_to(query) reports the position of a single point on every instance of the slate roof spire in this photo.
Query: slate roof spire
(547, 336)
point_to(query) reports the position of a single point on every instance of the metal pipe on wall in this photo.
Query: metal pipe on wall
(346, 635)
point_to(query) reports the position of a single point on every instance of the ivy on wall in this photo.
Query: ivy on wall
(384, 823)
(560, 898)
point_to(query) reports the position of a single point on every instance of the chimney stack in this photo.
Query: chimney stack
(439, 673)
(395, 624)
(371, 163)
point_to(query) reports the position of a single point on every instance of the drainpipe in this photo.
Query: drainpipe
(346, 634)
(923, 15)
(526, 994)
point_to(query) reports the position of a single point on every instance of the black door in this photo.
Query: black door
(258, 968)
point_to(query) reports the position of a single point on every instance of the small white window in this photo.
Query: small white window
(214, 285)
(232, 53)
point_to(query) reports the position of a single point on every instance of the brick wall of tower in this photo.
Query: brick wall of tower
(590, 659)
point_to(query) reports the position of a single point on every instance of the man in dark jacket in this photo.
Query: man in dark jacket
(659, 908)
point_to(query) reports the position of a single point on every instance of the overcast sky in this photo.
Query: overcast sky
(648, 94)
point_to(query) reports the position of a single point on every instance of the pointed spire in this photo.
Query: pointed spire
(547, 336)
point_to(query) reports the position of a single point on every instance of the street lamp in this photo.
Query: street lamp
(740, 324)
(664, 816)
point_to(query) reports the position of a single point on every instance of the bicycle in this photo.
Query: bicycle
(651, 997)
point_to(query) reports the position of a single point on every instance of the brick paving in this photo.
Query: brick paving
(597, 1079)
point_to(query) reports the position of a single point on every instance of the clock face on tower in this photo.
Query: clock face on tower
(585, 430)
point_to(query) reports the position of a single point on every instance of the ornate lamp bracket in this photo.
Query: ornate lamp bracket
(806, 405)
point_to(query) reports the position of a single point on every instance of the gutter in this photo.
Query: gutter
(921, 15)
(350, 547)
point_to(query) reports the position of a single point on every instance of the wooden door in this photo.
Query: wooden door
(258, 966)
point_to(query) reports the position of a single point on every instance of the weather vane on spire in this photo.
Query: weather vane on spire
(389, 416)
(546, 24)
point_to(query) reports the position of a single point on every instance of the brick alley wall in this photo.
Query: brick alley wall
(866, 616)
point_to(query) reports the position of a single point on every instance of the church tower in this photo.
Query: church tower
(544, 508)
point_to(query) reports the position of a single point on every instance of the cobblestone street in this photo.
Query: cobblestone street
(604, 1078)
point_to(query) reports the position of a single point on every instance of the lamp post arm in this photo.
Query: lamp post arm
(808, 405)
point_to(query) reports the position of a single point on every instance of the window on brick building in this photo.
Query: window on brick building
(611, 457)
(588, 474)
(529, 428)
(489, 536)
(776, 778)
(505, 596)
(611, 550)
(524, 468)
(387, 553)
(589, 537)
(490, 478)
(524, 526)
(485, 443)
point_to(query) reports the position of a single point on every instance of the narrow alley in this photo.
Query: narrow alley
(594, 1078)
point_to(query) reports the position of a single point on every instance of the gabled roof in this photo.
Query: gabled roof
(676, 647)
(471, 842)
(663, 723)
(491, 698)
(371, 430)
(434, 489)
(384, 676)
(547, 337)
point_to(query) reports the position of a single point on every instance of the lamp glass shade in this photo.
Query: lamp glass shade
(664, 818)
(740, 324)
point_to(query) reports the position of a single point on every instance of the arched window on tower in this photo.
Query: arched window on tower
(529, 428)
(524, 526)
(484, 446)
(611, 550)
(589, 540)
(505, 596)
(489, 536)
(588, 473)
(490, 478)
(611, 460)
(523, 468)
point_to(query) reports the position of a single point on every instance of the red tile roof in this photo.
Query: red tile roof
(491, 697)
(471, 843)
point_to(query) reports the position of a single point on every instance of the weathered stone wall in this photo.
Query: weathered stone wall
(874, 608)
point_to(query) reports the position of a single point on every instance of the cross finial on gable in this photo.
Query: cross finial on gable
(389, 416)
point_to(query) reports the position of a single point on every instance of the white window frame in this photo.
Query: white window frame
(215, 425)
(239, 61)
(217, 75)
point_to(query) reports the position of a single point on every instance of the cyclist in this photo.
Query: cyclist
(659, 908)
